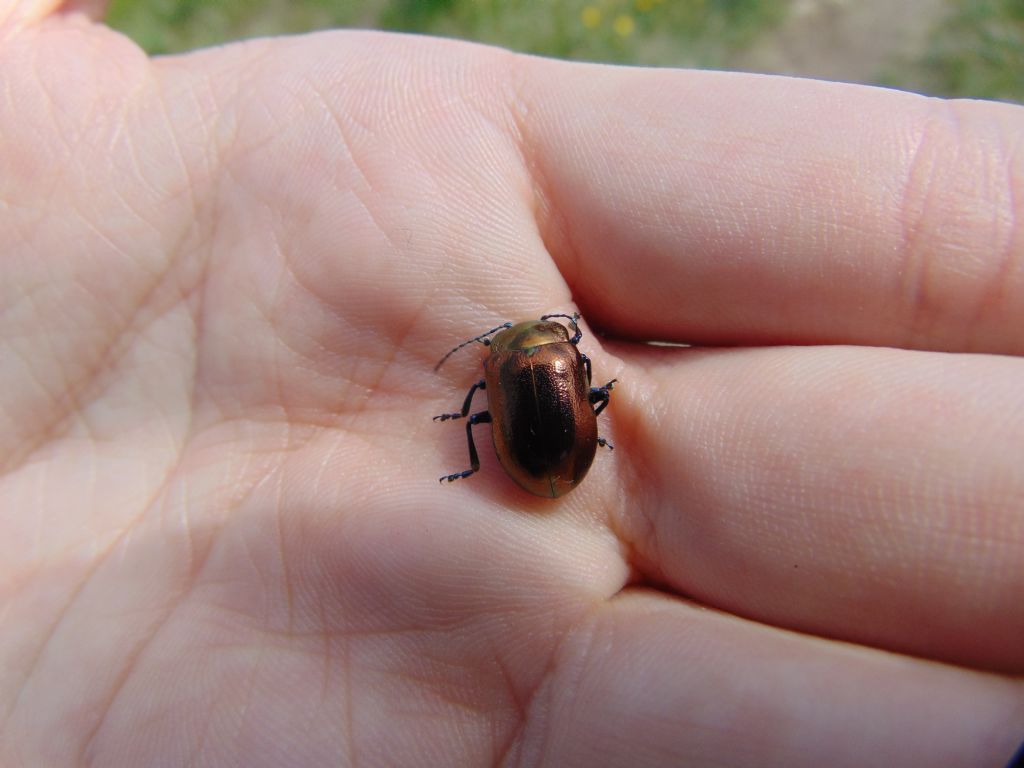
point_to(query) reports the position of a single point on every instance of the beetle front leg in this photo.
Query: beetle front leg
(601, 395)
(465, 405)
(483, 417)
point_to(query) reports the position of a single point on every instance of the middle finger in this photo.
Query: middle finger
(871, 495)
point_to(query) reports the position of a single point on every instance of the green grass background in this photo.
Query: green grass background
(976, 50)
(979, 51)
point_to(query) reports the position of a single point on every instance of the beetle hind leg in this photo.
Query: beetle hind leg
(483, 417)
(605, 444)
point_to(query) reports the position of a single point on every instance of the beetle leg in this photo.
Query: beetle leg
(605, 444)
(465, 405)
(482, 417)
(601, 395)
(586, 364)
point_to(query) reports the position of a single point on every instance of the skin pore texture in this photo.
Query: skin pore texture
(227, 275)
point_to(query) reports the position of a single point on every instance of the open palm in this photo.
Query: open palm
(226, 278)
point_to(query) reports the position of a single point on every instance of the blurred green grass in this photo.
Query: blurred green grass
(975, 50)
(979, 50)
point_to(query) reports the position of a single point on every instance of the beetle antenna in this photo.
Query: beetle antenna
(573, 318)
(573, 321)
(480, 338)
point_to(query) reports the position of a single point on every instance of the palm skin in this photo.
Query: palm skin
(226, 279)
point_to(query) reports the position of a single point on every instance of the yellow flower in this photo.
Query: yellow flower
(644, 5)
(624, 25)
(590, 16)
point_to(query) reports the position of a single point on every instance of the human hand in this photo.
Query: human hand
(227, 276)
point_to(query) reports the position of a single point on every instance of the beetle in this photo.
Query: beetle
(541, 405)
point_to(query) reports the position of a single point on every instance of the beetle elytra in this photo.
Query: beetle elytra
(541, 405)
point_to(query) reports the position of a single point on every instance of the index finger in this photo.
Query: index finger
(731, 208)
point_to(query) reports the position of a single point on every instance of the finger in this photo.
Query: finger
(863, 494)
(733, 208)
(649, 682)
(28, 11)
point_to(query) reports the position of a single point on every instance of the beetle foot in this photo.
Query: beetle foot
(456, 476)
(446, 416)
(605, 444)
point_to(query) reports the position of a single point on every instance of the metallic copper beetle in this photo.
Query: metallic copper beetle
(542, 408)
